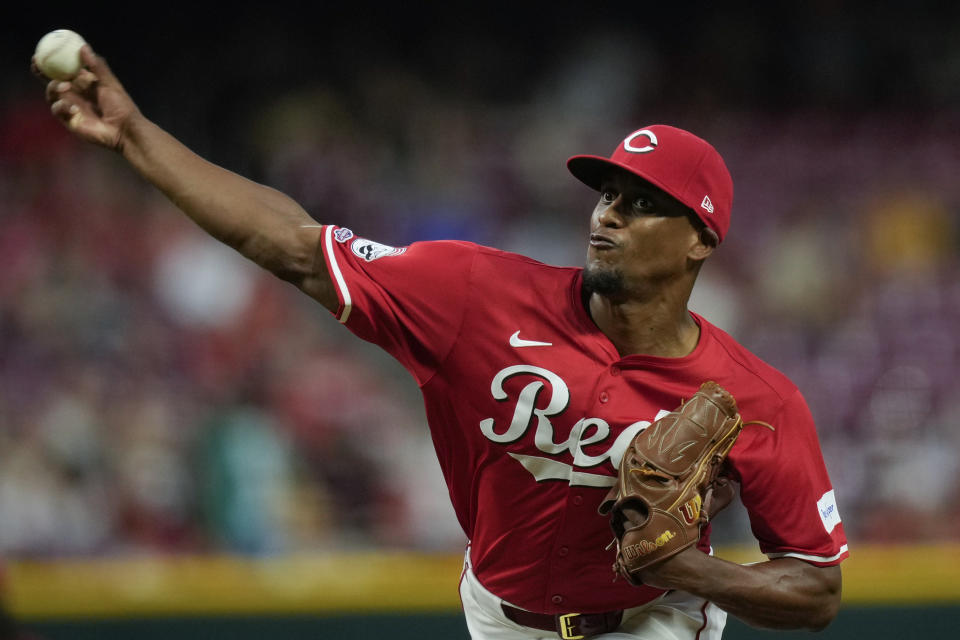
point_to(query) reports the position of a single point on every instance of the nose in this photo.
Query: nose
(609, 215)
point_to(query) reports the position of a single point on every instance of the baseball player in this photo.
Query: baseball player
(535, 379)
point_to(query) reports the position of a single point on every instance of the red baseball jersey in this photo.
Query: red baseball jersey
(531, 408)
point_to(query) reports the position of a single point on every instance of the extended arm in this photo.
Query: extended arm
(785, 593)
(261, 223)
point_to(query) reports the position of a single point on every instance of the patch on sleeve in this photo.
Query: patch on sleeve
(829, 515)
(370, 250)
(342, 234)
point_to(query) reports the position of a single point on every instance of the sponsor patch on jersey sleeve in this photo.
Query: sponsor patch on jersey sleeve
(829, 515)
(370, 250)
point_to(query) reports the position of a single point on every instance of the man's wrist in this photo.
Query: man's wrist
(681, 572)
(130, 134)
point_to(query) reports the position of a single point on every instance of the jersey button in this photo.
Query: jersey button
(562, 551)
(578, 500)
(604, 396)
(614, 370)
(557, 599)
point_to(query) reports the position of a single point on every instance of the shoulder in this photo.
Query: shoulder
(486, 271)
(488, 255)
(517, 267)
(750, 375)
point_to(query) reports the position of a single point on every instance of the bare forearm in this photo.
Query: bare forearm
(785, 593)
(259, 222)
(771, 595)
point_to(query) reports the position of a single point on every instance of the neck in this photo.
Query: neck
(657, 327)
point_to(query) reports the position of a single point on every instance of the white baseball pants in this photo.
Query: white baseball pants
(674, 616)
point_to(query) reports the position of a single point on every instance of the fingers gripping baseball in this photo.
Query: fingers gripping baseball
(93, 104)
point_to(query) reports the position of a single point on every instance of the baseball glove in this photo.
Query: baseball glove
(664, 488)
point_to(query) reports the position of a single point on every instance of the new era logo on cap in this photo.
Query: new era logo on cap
(684, 165)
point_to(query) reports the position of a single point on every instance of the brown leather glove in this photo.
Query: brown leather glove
(664, 489)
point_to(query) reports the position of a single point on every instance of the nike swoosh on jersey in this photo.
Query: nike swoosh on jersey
(517, 341)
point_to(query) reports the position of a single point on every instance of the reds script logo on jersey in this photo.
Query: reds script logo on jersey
(587, 431)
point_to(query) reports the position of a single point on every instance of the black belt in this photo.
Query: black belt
(569, 626)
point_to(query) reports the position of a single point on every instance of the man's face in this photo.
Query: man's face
(640, 237)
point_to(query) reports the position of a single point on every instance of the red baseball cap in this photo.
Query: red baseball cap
(678, 162)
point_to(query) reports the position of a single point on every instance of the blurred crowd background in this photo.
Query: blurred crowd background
(158, 394)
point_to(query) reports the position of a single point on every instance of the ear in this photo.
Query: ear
(707, 241)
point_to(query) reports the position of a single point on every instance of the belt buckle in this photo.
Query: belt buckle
(567, 626)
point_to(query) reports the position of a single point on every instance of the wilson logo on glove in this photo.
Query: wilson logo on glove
(644, 547)
(691, 510)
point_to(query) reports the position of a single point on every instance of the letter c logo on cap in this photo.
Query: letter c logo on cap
(651, 137)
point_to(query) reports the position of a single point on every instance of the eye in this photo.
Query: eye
(607, 196)
(642, 203)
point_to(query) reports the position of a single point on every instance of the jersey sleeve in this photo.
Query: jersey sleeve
(409, 300)
(786, 490)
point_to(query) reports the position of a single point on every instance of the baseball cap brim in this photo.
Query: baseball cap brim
(591, 171)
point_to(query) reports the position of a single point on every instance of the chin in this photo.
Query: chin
(606, 282)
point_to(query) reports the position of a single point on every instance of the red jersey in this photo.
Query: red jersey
(531, 408)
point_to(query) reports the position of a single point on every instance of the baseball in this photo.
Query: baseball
(58, 54)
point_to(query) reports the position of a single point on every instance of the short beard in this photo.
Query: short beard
(609, 284)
